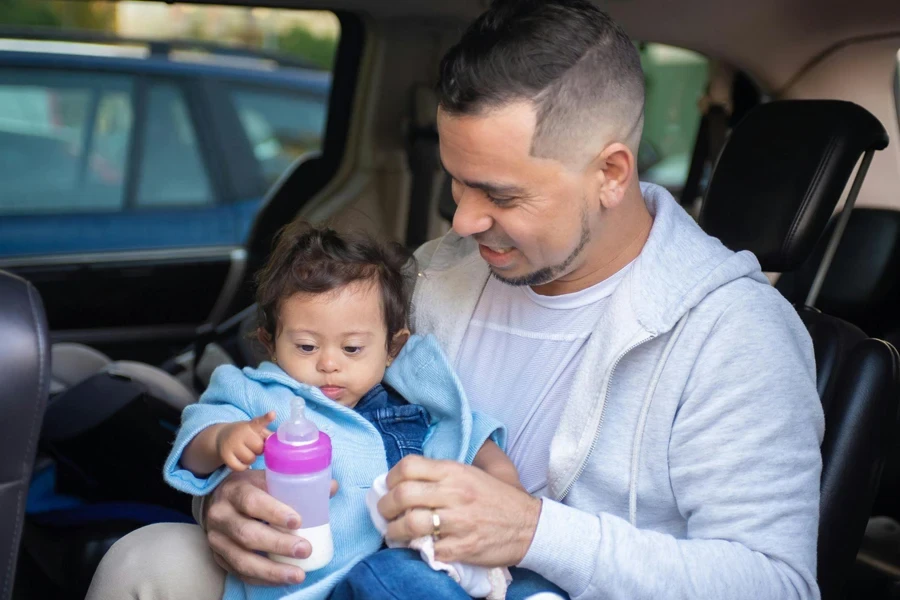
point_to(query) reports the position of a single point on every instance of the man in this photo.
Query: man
(658, 393)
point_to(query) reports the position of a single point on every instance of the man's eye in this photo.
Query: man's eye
(500, 201)
(352, 349)
(306, 347)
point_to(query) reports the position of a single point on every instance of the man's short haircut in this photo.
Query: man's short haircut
(575, 64)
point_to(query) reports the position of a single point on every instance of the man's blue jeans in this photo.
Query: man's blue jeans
(400, 574)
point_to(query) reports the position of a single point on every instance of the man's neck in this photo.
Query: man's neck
(622, 241)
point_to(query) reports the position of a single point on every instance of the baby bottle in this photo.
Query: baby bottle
(298, 473)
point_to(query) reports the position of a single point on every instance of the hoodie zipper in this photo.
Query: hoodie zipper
(590, 451)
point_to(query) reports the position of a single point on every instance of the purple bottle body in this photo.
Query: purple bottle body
(299, 475)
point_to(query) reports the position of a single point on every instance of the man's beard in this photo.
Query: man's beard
(548, 274)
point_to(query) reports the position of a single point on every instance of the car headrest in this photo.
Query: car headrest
(781, 174)
(861, 285)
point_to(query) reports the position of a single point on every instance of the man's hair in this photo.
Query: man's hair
(576, 66)
(309, 260)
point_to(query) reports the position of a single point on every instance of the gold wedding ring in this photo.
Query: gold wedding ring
(436, 525)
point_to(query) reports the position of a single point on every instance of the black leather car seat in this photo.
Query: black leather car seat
(774, 189)
(25, 377)
(863, 282)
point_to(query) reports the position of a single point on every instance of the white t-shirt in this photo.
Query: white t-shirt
(518, 359)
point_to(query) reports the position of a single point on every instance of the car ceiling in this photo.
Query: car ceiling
(773, 40)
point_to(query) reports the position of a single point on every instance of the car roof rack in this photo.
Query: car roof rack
(165, 49)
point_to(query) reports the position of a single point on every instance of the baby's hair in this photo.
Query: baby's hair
(310, 260)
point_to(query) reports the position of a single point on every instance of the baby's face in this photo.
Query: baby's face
(336, 342)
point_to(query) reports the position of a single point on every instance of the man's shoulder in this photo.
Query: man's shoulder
(748, 312)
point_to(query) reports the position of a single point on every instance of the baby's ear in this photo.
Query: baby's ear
(400, 339)
(263, 337)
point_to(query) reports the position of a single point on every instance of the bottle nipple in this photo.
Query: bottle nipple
(298, 430)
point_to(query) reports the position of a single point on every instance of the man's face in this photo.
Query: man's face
(530, 216)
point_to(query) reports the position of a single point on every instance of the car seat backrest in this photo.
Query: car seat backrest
(25, 377)
(781, 174)
(773, 190)
(862, 285)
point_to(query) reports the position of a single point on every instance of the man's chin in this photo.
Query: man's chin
(535, 278)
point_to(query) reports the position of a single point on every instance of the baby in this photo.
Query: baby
(333, 318)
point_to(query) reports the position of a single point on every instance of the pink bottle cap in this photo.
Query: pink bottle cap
(298, 459)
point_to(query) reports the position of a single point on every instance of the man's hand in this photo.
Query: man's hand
(238, 444)
(484, 521)
(235, 532)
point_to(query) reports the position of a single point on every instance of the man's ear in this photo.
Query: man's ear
(400, 339)
(616, 168)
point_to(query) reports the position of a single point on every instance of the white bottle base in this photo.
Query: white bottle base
(322, 548)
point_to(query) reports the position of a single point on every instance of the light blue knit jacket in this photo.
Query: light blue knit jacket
(421, 374)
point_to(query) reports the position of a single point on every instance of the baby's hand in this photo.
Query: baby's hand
(240, 443)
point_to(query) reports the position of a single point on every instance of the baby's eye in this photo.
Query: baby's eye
(306, 347)
(352, 349)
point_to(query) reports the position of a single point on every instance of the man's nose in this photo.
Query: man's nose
(471, 217)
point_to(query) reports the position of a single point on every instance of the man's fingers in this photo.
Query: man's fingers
(414, 524)
(254, 502)
(254, 535)
(252, 566)
(415, 467)
(411, 494)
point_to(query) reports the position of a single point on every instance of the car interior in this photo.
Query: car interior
(793, 153)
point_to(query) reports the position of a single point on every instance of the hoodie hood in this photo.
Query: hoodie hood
(680, 265)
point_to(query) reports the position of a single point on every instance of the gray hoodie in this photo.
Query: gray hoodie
(686, 463)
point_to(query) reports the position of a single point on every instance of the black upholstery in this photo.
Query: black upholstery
(853, 452)
(781, 174)
(863, 282)
(773, 191)
(25, 377)
(833, 339)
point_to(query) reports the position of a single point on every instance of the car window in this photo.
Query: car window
(62, 141)
(172, 172)
(112, 143)
(676, 79)
(281, 126)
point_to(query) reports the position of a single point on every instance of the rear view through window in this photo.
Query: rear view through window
(153, 126)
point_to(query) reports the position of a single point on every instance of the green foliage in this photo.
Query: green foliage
(54, 13)
(27, 13)
(301, 43)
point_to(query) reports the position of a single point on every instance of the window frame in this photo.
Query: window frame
(206, 147)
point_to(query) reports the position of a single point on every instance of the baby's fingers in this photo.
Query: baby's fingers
(261, 424)
(232, 462)
(245, 455)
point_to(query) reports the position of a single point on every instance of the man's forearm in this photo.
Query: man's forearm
(602, 555)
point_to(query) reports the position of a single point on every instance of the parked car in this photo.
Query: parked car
(113, 145)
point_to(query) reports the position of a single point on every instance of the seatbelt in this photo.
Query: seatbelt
(423, 158)
(716, 109)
